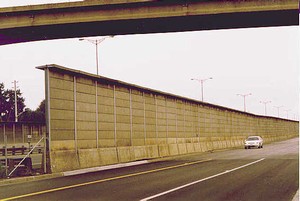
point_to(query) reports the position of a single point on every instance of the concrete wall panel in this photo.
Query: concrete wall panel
(138, 142)
(59, 114)
(151, 141)
(190, 148)
(60, 145)
(62, 94)
(126, 154)
(163, 150)
(64, 160)
(106, 127)
(66, 85)
(62, 134)
(108, 155)
(62, 104)
(140, 152)
(173, 149)
(89, 158)
(152, 151)
(123, 142)
(182, 148)
(106, 142)
(62, 124)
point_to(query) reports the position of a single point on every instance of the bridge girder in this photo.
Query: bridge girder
(98, 17)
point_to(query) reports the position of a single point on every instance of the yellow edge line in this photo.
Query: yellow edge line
(102, 180)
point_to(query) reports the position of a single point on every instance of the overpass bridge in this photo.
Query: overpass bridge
(119, 17)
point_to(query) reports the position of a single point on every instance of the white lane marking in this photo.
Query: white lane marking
(201, 180)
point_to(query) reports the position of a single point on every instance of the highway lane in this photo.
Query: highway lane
(271, 173)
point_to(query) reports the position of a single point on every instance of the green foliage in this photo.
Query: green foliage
(7, 103)
(3, 101)
(7, 107)
(37, 115)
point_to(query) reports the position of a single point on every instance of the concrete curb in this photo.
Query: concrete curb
(107, 167)
(296, 197)
(29, 178)
(68, 173)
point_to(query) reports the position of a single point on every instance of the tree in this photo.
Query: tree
(42, 107)
(3, 100)
(7, 103)
(7, 107)
(37, 115)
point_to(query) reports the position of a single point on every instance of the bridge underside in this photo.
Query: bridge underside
(26, 32)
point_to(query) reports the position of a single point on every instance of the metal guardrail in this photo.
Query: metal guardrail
(11, 151)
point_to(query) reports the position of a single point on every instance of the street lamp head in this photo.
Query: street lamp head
(244, 95)
(265, 102)
(96, 41)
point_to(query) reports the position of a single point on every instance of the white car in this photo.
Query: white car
(254, 141)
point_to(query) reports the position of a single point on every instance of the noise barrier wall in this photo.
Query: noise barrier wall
(96, 121)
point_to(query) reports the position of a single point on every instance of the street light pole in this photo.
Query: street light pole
(244, 96)
(265, 103)
(278, 109)
(96, 42)
(97, 59)
(287, 113)
(201, 81)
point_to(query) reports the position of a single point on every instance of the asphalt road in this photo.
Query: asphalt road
(271, 173)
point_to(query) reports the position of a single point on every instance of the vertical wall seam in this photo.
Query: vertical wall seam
(115, 117)
(156, 128)
(145, 134)
(97, 122)
(184, 111)
(130, 108)
(166, 111)
(75, 117)
(211, 126)
(198, 125)
(115, 124)
(48, 117)
(176, 124)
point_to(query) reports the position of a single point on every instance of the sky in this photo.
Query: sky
(261, 61)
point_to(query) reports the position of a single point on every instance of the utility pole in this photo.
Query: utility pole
(16, 100)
